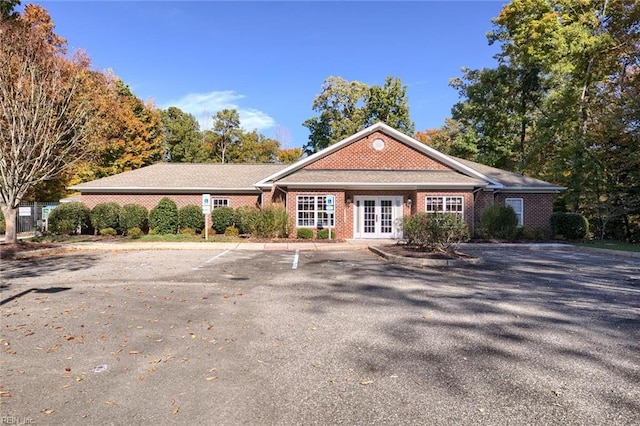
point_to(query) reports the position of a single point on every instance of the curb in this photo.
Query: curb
(412, 261)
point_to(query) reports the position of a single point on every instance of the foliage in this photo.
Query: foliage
(252, 147)
(135, 233)
(68, 218)
(43, 117)
(323, 234)
(434, 231)
(108, 232)
(191, 216)
(2, 223)
(498, 221)
(246, 218)
(222, 218)
(188, 231)
(572, 226)
(290, 155)
(273, 222)
(346, 107)
(163, 218)
(7, 9)
(231, 231)
(133, 216)
(182, 138)
(304, 234)
(105, 215)
(227, 131)
(447, 139)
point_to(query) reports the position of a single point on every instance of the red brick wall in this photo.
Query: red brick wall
(151, 200)
(537, 208)
(467, 201)
(362, 155)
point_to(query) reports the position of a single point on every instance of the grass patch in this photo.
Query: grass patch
(63, 239)
(185, 238)
(611, 245)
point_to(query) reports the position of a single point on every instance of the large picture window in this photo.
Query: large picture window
(517, 204)
(312, 211)
(444, 204)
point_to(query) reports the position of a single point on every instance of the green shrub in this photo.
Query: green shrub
(323, 234)
(188, 231)
(222, 218)
(69, 218)
(498, 221)
(191, 217)
(105, 215)
(134, 233)
(231, 231)
(572, 226)
(272, 222)
(108, 232)
(133, 216)
(304, 234)
(163, 218)
(435, 231)
(246, 219)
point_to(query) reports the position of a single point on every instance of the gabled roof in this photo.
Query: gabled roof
(183, 178)
(393, 133)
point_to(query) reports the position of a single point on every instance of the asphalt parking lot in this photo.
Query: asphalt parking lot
(311, 337)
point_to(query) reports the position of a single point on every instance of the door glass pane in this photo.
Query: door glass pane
(369, 216)
(386, 216)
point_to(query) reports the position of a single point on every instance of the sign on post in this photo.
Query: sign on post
(331, 202)
(206, 209)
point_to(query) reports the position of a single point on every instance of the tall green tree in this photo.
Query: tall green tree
(183, 140)
(346, 107)
(226, 132)
(253, 147)
(8, 9)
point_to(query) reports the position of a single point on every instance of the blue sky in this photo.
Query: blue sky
(269, 59)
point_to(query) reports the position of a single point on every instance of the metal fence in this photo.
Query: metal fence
(30, 216)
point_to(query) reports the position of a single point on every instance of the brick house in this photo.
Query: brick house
(375, 177)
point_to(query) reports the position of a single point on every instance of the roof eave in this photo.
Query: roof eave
(164, 190)
(378, 186)
(533, 189)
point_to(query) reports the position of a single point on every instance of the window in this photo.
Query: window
(444, 205)
(219, 202)
(517, 204)
(312, 211)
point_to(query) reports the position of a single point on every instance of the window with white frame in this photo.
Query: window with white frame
(219, 202)
(517, 204)
(311, 211)
(444, 204)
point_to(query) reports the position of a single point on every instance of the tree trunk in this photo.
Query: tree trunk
(10, 236)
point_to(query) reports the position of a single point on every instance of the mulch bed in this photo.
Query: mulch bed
(420, 253)
(9, 251)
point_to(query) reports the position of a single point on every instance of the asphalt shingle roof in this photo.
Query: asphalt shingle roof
(184, 176)
(508, 179)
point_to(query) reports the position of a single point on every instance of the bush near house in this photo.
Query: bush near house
(163, 218)
(222, 218)
(105, 215)
(323, 234)
(134, 233)
(231, 231)
(69, 219)
(498, 221)
(246, 219)
(191, 217)
(304, 233)
(435, 231)
(572, 226)
(133, 216)
(272, 222)
(108, 232)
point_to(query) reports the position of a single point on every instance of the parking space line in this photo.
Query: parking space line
(211, 260)
(295, 260)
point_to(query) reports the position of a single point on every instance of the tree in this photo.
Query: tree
(42, 116)
(182, 137)
(253, 147)
(448, 139)
(346, 107)
(226, 128)
(290, 155)
(7, 9)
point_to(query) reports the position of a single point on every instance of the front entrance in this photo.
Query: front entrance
(375, 217)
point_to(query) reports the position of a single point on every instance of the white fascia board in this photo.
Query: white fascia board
(146, 190)
(533, 189)
(369, 185)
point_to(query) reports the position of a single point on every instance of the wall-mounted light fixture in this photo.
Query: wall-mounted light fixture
(349, 201)
(409, 202)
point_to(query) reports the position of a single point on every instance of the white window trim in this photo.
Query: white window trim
(332, 217)
(226, 202)
(443, 199)
(519, 214)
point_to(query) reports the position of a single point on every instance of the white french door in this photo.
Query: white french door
(375, 217)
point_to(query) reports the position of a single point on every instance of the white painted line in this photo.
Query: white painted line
(295, 260)
(212, 259)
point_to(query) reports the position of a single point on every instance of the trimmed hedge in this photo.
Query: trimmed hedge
(108, 232)
(133, 216)
(572, 226)
(304, 233)
(231, 231)
(105, 215)
(191, 217)
(163, 218)
(134, 233)
(222, 218)
(69, 218)
(499, 221)
(435, 231)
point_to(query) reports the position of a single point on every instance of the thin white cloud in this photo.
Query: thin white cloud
(204, 106)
